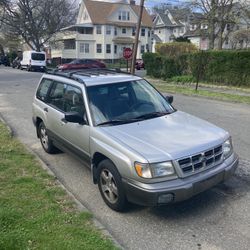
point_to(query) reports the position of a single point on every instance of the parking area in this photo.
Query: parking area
(216, 219)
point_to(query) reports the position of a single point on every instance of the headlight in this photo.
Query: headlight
(227, 148)
(154, 170)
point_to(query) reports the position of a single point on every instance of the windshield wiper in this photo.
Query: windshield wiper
(115, 122)
(152, 115)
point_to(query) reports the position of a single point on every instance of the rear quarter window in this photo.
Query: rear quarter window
(43, 89)
(37, 57)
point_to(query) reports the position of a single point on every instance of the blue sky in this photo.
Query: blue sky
(151, 3)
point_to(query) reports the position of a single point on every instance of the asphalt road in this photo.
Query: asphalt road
(216, 219)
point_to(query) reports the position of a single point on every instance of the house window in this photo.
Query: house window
(115, 31)
(133, 31)
(85, 15)
(84, 48)
(204, 26)
(98, 48)
(115, 49)
(175, 30)
(124, 30)
(124, 15)
(227, 41)
(149, 33)
(142, 32)
(142, 49)
(70, 44)
(108, 48)
(147, 47)
(98, 29)
(193, 27)
(108, 30)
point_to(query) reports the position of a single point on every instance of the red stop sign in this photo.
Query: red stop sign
(127, 53)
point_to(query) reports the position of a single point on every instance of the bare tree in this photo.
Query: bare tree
(35, 21)
(241, 38)
(218, 14)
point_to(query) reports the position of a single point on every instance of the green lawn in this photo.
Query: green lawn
(189, 90)
(35, 213)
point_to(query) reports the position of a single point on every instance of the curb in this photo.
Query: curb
(78, 203)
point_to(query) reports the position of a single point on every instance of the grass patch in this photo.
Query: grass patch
(189, 90)
(35, 213)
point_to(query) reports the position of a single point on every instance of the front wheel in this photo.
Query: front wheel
(110, 186)
(46, 142)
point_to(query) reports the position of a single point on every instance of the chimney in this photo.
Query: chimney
(132, 2)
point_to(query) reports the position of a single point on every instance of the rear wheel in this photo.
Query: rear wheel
(46, 142)
(110, 186)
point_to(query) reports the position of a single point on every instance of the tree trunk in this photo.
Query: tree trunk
(1, 50)
(212, 24)
(220, 43)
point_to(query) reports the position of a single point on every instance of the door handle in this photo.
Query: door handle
(46, 110)
(63, 121)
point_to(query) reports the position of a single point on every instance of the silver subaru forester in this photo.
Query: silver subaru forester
(139, 147)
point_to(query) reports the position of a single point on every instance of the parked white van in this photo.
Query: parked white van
(33, 60)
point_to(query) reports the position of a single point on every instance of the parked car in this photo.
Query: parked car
(82, 64)
(16, 63)
(33, 60)
(5, 61)
(139, 147)
(139, 64)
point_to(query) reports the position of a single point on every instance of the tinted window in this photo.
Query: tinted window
(66, 98)
(56, 95)
(73, 100)
(43, 89)
(37, 57)
(126, 101)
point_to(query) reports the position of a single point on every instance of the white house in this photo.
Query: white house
(175, 23)
(102, 31)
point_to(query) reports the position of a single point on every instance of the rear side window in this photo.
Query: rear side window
(43, 89)
(37, 57)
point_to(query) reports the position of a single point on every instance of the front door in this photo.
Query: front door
(72, 136)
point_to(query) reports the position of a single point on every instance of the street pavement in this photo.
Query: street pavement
(216, 219)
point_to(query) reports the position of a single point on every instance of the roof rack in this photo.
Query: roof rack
(72, 74)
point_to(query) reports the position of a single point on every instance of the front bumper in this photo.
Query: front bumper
(180, 189)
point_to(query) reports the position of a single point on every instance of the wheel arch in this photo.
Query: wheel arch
(97, 158)
(37, 123)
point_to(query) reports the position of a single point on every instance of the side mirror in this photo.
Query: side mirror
(169, 98)
(74, 117)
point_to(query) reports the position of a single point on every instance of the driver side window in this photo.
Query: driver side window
(73, 100)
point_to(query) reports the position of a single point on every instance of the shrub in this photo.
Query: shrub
(170, 68)
(153, 63)
(183, 79)
(175, 49)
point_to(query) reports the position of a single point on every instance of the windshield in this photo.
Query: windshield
(126, 102)
(37, 57)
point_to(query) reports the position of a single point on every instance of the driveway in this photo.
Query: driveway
(216, 219)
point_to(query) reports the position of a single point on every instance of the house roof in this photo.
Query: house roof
(165, 19)
(100, 11)
(156, 38)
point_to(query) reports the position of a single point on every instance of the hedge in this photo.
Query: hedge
(226, 67)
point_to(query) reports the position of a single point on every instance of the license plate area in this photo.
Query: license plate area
(208, 183)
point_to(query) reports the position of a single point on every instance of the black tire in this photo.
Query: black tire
(46, 142)
(117, 201)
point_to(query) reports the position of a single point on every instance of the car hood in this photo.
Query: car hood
(168, 137)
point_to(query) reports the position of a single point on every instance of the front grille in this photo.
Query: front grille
(201, 161)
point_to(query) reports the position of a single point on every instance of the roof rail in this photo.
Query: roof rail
(72, 74)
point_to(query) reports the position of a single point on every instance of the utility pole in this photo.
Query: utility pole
(135, 47)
